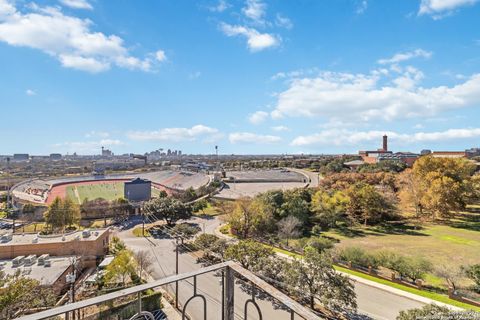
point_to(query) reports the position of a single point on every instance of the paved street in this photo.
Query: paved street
(374, 302)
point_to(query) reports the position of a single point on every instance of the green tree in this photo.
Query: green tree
(19, 294)
(185, 231)
(62, 213)
(315, 277)
(320, 244)
(169, 209)
(121, 269)
(245, 218)
(328, 207)
(200, 205)
(250, 254)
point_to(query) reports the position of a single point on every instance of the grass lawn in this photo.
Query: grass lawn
(426, 294)
(137, 232)
(210, 210)
(456, 242)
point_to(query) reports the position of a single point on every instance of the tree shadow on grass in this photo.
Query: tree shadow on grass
(396, 228)
(468, 221)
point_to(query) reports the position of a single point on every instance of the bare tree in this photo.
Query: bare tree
(450, 274)
(289, 227)
(144, 262)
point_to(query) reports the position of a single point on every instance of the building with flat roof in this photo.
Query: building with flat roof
(49, 271)
(86, 243)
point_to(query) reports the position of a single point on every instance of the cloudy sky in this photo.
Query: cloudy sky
(250, 76)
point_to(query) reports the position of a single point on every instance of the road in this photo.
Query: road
(372, 302)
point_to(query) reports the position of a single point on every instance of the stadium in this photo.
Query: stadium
(43, 192)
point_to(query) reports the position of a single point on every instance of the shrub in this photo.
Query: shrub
(320, 244)
(407, 267)
(358, 257)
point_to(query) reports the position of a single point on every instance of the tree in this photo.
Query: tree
(434, 311)
(62, 213)
(169, 209)
(296, 203)
(289, 227)
(250, 254)
(116, 245)
(444, 184)
(120, 208)
(328, 207)
(320, 244)
(366, 204)
(315, 277)
(199, 205)
(71, 212)
(473, 272)
(450, 273)
(185, 231)
(243, 218)
(144, 262)
(19, 294)
(121, 269)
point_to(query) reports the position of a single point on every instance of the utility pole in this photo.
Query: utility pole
(8, 183)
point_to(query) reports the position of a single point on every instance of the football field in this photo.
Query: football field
(108, 191)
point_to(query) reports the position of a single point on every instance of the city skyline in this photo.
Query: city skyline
(253, 77)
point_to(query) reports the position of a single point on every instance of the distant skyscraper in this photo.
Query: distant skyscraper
(385, 143)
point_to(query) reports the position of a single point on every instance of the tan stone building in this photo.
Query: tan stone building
(87, 243)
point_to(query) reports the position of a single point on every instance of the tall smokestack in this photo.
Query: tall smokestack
(385, 143)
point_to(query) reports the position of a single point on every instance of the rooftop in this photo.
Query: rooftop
(46, 275)
(30, 238)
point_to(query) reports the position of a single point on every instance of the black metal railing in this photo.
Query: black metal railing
(103, 306)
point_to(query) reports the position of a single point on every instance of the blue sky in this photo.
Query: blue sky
(250, 76)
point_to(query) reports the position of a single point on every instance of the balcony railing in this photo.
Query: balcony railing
(230, 273)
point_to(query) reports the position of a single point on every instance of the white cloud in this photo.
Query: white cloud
(345, 96)
(439, 8)
(160, 55)
(67, 38)
(248, 137)
(400, 57)
(258, 117)
(283, 21)
(221, 6)
(280, 128)
(77, 4)
(101, 134)
(30, 92)
(87, 146)
(255, 10)
(256, 41)
(342, 137)
(362, 7)
(176, 134)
